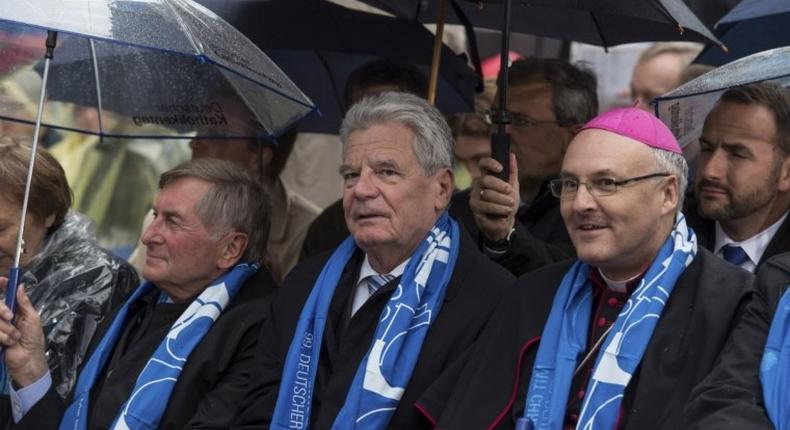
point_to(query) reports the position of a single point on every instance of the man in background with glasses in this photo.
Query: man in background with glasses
(617, 338)
(518, 222)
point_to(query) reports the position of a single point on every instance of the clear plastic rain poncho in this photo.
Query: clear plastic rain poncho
(73, 283)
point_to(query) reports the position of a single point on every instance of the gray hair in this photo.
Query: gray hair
(236, 201)
(676, 165)
(433, 141)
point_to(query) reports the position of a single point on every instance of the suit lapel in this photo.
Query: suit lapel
(779, 243)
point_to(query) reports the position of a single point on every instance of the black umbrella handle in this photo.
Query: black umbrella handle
(52, 40)
(500, 151)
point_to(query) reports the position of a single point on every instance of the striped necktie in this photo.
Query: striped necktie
(377, 281)
(734, 254)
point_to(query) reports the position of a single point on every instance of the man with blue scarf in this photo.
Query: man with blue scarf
(178, 353)
(750, 387)
(618, 338)
(356, 336)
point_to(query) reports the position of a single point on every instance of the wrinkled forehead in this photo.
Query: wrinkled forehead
(382, 136)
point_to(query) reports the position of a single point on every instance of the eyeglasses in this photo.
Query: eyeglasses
(567, 187)
(519, 120)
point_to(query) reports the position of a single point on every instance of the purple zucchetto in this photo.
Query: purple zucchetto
(638, 125)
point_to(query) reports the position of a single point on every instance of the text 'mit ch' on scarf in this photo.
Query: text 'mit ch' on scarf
(387, 367)
(153, 387)
(564, 340)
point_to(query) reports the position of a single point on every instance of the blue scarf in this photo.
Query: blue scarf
(387, 367)
(151, 392)
(775, 366)
(564, 339)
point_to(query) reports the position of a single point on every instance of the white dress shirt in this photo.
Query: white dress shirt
(361, 294)
(753, 246)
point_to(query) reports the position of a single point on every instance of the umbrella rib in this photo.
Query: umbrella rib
(663, 10)
(600, 33)
(187, 32)
(332, 81)
(471, 38)
(98, 88)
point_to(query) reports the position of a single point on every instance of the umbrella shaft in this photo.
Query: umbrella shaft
(504, 58)
(31, 164)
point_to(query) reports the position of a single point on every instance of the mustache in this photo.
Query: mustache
(707, 183)
(579, 219)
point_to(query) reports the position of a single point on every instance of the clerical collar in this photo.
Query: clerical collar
(626, 286)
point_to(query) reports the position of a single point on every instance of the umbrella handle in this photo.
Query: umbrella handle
(10, 300)
(500, 151)
(11, 287)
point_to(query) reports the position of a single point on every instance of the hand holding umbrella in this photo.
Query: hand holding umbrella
(22, 339)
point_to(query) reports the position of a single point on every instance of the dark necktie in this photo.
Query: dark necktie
(734, 254)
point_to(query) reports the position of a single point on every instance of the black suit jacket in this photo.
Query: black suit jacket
(705, 229)
(488, 389)
(731, 397)
(215, 376)
(540, 236)
(475, 287)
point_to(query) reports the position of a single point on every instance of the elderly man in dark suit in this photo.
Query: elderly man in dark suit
(356, 336)
(617, 338)
(178, 352)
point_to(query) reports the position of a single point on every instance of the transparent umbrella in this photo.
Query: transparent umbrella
(166, 67)
(684, 109)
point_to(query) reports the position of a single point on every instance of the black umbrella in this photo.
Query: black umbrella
(598, 22)
(318, 44)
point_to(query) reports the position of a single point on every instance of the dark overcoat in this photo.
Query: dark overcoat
(731, 396)
(474, 289)
(213, 381)
(488, 391)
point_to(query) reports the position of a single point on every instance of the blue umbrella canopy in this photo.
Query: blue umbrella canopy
(752, 26)
(169, 64)
(684, 109)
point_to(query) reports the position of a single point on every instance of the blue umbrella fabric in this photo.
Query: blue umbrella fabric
(684, 109)
(318, 44)
(752, 26)
(161, 64)
(597, 22)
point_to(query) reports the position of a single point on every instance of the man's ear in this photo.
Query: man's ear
(783, 183)
(446, 183)
(232, 249)
(671, 196)
(261, 163)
